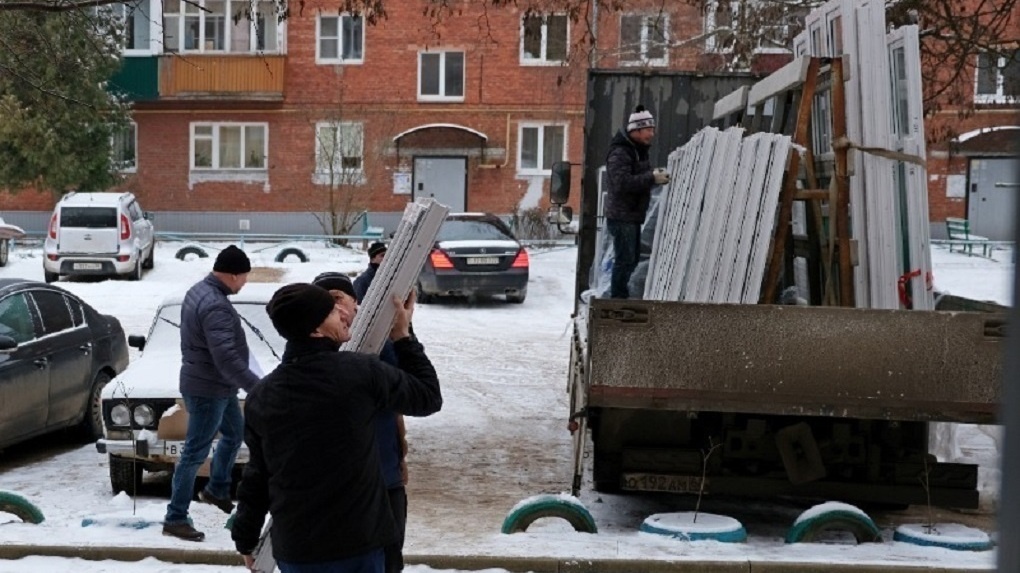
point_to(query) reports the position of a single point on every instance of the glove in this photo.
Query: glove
(660, 176)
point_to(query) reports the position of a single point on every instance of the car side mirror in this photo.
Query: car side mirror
(559, 183)
(7, 344)
(136, 341)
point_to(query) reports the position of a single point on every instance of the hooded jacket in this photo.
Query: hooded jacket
(630, 180)
(314, 464)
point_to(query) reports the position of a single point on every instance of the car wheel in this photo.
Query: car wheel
(423, 297)
(136, 273)
(50, 277)
(517, 298)
(151, 260)
(92, 423)
(5, 246)
(125, 475)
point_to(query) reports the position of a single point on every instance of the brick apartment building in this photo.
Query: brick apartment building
(257, 125)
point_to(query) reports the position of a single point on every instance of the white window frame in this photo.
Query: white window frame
(648, 22)
(442, 76)
(155, 16)
(541, 125)
(543, 59)
(346, 176)
(190, 7)
(215, 159)
(122, 166)
(1000, 95)
(339, 59)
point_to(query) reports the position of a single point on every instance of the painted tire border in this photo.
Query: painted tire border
(526, 513)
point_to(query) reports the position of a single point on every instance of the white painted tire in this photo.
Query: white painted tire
(944, 535)
(682, 525)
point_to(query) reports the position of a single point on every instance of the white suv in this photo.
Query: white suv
(98, 234)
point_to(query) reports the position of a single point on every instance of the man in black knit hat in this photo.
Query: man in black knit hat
(376, 252)
(310, 430)
(214, 365)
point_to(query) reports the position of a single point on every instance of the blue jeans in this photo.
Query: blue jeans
(206, 416)
(371, 562)
(626, 250)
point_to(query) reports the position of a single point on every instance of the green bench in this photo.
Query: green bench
(959, 231)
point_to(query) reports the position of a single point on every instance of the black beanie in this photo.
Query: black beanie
(376, 248)
(298, 309)
(232, 260)
(335, 281)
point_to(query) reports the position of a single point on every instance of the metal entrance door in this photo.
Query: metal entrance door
(443, 179)
(992, 198)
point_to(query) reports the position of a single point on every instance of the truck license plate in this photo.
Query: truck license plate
(88, 266)
(657, 482)
(483, 260)
(173, 448)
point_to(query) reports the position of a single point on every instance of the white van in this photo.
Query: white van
(98, 234)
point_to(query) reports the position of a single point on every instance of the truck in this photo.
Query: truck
(765, 399)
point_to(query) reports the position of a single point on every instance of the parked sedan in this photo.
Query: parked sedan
(476, 254)
(142, 408)
(56, 356)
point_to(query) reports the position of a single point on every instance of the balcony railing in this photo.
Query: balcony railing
(201, 76)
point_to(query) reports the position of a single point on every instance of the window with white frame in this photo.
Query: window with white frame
(997, 78)
(124, 148)
(544, 39)
(340, 39)
(768, 27)
(232, 26)
(441, 76)
(229, 146)
(138, 24)
(539, 146)
(339, 152)
(644, 39)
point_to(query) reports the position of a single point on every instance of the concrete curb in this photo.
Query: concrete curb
(198, 556)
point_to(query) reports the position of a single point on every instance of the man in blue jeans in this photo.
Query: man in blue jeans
(214, 364)
(631, 179)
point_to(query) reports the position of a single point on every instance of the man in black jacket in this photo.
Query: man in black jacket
(310, 430)
(376, 252)
(631, 179)
(214, 364)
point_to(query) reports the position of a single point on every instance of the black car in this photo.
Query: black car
(56, 354)
(475, 255)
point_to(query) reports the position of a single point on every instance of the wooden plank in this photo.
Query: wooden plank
(785, 78)
(847, 293)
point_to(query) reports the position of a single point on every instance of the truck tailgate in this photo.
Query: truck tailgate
(824, 361)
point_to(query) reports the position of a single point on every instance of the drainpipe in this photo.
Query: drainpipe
(506, 152)
(593, 57)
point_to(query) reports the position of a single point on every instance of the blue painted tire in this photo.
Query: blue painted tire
(860, 526)
(522, 516)
(959, 545)
(20, 507)
(737, 535)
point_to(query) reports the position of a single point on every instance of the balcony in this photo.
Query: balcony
(137, 79)
(247, 77)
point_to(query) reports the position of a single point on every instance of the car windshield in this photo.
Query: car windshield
(166, 331)
(462, 230)
(89, 217)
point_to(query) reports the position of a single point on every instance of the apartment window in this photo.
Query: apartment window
(998, 78)
(441, 76)
(340, 39)
(339, 152)
(539, 146)
(765, 27)
(644, 39)
(233, 26)
(124, 146)
(229, 146)
(544, 39)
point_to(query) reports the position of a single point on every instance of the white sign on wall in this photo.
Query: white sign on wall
(956, 186)
(402, 183)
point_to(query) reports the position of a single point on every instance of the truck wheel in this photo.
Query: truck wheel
(539, 506)
(5, 247)
(50, 277)
(91, 427)
(20, 507)
(841, 517)
(125, 475)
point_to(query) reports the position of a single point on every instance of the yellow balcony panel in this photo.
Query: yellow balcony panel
(233, 76)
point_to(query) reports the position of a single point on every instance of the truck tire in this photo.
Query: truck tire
(539, 506)
(125, 475)
(5, 249)
(20, 507)
(849, 519)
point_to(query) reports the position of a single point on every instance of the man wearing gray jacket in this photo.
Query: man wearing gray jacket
(214, 365)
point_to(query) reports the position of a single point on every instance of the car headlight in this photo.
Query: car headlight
(144, 415)
(120, 415)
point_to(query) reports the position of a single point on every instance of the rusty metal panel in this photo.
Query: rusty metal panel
(247, 76)
(796, 360)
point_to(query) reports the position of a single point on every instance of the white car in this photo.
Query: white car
(142, 407)
(7, 233)
(98, 234)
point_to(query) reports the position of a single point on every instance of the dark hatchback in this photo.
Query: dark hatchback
(56, 354)
(476, 254)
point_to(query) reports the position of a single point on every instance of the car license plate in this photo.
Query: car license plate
(656, 482)
(88, 266)
(483, 260)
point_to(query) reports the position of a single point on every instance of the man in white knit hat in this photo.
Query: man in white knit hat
(631, 179)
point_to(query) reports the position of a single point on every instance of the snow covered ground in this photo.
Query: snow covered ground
(500, 437)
